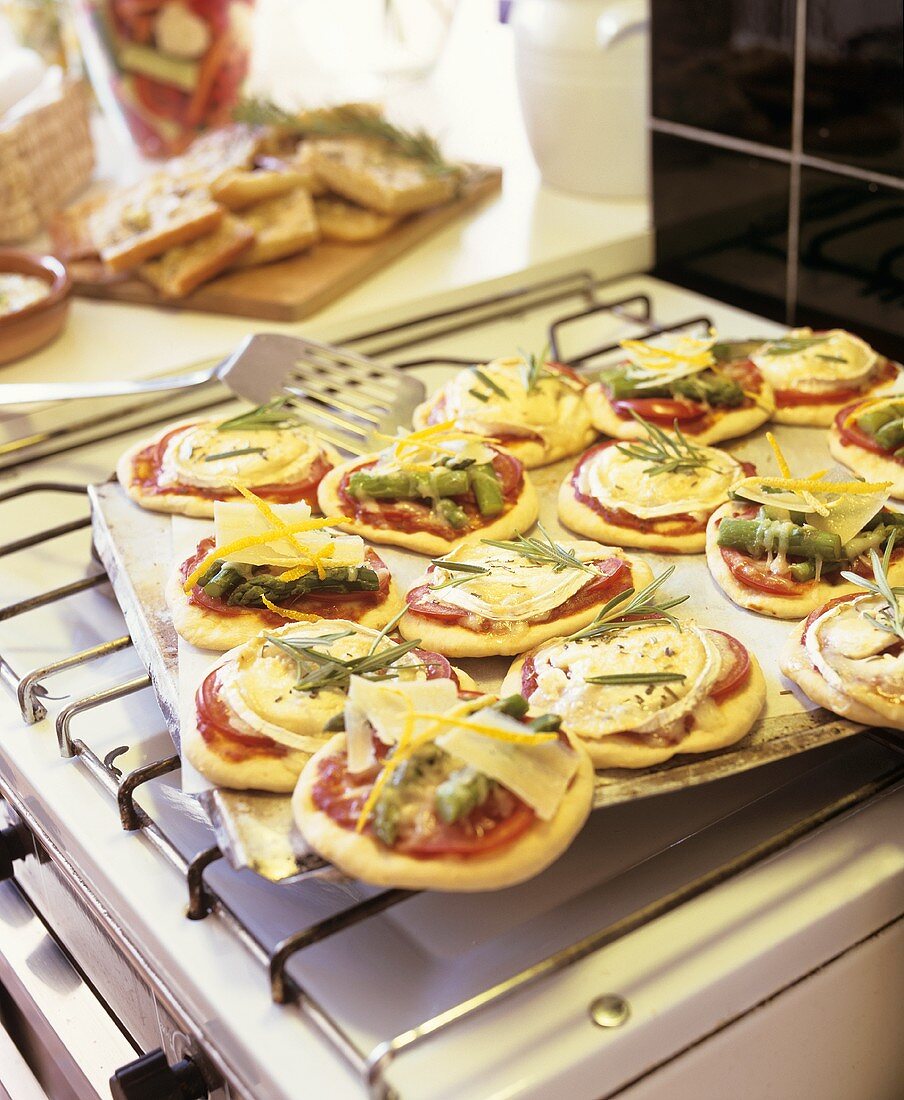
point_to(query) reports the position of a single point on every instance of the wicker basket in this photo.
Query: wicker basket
(45, 158)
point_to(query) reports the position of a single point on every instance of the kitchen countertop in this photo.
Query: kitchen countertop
(527, 228)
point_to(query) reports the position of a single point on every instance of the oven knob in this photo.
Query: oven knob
(151, 1077)
(15, 843)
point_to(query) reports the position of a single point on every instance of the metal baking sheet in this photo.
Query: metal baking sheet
(255, 829)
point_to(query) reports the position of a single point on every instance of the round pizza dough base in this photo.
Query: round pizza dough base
(821, 416)
(796, 665)
(530, 452)
(209, 630)
(361, 857)
(261, 772)
(729, 424)
(579, 517)
(456, 641)
(520, 517)
(178, 504)
(727, 723)
(777, 607)
(867, 463)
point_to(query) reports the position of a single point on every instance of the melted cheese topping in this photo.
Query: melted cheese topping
(667, 357)
(853, 654)
(414, 457)
(554, 409)
(256, 682)
(595, 710)
(618, 481)
(515, 589)
(283, 455)
(840, 360)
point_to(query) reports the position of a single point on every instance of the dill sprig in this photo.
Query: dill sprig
(626, 608)
(636, 678)
(791, 345)
(542, 551)
(467, 571)
(664, 454)
(890, 617)
(346, 121)
(234, 454)
(317, 670)
(274, 415)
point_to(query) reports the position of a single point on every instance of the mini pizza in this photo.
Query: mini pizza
(637, 690)
(503, 597)
(266, 565)
(848, 654)
(425, 790)
(868, 438)
(656, 493)
(536, 410)
(267, 706)
(189, 465)
(814, 374)
(712, 391)
(785, 545)
(431, 491)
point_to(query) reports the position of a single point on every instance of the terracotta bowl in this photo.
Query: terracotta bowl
(31, 328)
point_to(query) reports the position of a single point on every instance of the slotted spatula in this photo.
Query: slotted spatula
(344, 396)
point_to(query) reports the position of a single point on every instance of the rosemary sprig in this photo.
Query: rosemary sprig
(416, 145)
(317, 670)
(831, 358)
(489, 383)
(542, 551)
(536, 368)
(387, 630)
(234, 454)
(620, 610)
(890, 617)
(467, 571)
(479, 394)
(275, 414)
(636, 678)
(791, 345)
(664, 454)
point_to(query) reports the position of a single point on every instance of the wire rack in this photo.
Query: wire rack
(203, 901)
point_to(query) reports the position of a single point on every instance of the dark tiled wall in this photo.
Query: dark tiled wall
(778, 160)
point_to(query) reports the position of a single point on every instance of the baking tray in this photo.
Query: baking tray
(255, 829)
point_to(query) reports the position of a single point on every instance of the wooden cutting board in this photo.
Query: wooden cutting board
(299, 286)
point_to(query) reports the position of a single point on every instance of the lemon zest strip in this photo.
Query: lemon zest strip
(293, 616)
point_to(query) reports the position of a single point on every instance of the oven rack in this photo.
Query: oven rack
(203, 900)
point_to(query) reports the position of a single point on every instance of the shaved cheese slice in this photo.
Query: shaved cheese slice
(237, 520)
(358, 741)
(832, 504)
(669, 356)
(388, 705)
(852, 512)
(538, 774)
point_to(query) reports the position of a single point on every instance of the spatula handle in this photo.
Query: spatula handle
(27, 393)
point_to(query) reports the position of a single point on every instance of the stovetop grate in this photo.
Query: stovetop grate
(202, 899)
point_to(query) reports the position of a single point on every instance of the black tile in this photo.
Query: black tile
(854, 85)
(725, 66)
(852, 258)
(721, 222)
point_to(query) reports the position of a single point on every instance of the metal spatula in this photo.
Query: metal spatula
(344, 396)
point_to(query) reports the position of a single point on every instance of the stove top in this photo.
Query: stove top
(664, 921)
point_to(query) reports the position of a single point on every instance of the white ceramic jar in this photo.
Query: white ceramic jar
(583, 80)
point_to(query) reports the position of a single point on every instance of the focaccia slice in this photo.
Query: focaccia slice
(181, 269)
